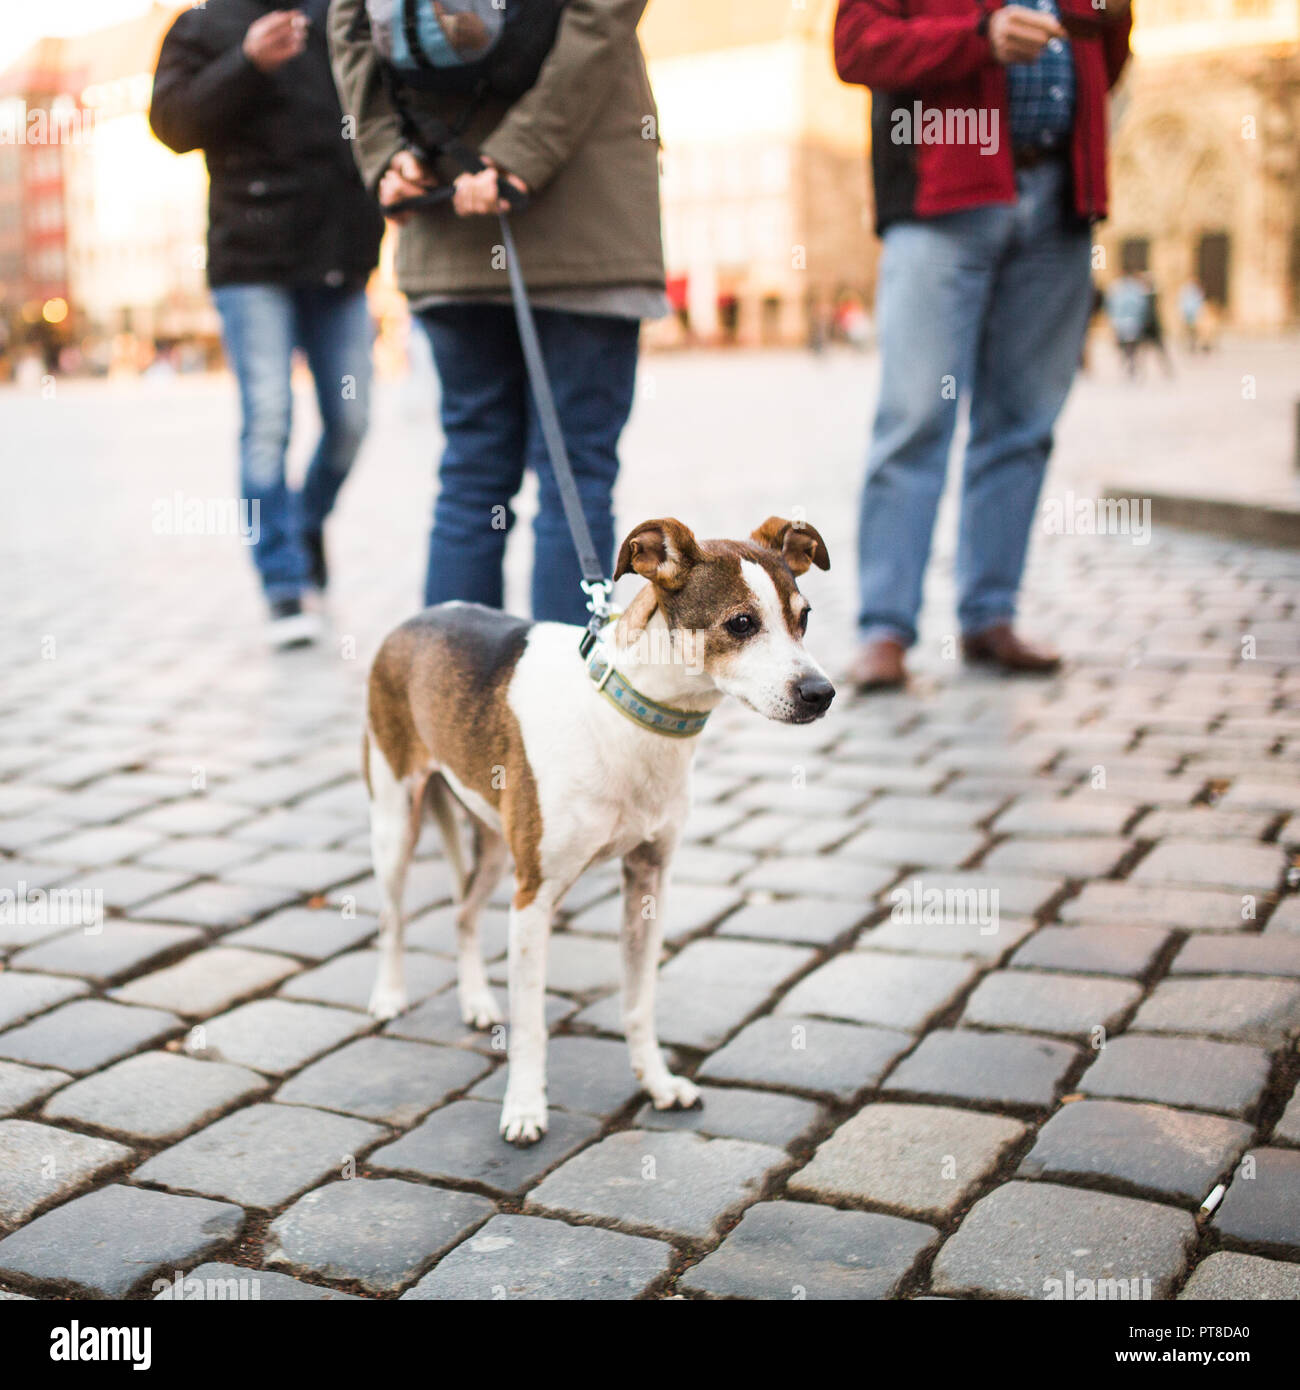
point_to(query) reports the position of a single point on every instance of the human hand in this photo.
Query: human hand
(275, 39)
(476, 194)
(1019, 35)
(405, 177)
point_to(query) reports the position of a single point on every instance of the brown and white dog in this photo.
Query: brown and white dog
(559, 766)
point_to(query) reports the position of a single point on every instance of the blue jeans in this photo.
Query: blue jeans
(991, 303)
(261, 325)
(493, 434)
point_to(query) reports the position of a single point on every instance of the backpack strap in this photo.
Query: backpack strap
(411, 28)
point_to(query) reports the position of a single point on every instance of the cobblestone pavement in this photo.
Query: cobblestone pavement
(989, 986)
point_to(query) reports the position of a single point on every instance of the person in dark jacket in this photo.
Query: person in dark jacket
(989, 158)
(292, 239)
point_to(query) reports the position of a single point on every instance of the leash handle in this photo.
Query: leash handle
(444, 193)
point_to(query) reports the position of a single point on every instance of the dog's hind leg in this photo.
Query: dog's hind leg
(477, 1006)
(644, 871)
(444, 812)
(395, 811)
(473, 888)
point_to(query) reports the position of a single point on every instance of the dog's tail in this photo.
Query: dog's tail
(444, 812)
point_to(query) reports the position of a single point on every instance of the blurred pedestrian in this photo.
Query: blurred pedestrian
(1191, 303)
(1152, 331)
(1126, 308)
(985, 288)
(582, 143)
(292, 240)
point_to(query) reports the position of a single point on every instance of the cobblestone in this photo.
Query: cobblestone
(384, 1079)
(311, 934)
(23, 995)
(40, 1164)
(1239, 955)
(784, 1250)
(1038, 1241)
(524, 1257)
(1149, 1149)
(807, 1054)
(1287, 1130)
(918, 1160)
(22, 1086)
(1262, 1208)
(1226, 1077)
(118, 950)
(85, 1034)
(871, 987)
(1248, 868)
(1003, 1069)
(222, 1282)
(462, 1143)
(381, 1233)
(732, 1113)
(154, 1096)
(1229, 1275)
(260, 1156)
(1037, 1002)
(668, 1184)
(1138, 904)
(110, 1242)
(274, 1035)
(208, 982)
(1124, 951)
(1238, 1009)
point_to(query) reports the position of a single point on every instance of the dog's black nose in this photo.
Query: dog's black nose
(817, 693)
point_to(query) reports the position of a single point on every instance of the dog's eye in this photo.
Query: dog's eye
(742, 625)
(803, 621)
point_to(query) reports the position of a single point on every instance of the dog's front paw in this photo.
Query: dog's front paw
(675, 1093)
(523, 1122)
(386, 1001)
(480, 1010)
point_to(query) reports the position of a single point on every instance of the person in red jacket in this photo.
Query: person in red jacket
(989, 161)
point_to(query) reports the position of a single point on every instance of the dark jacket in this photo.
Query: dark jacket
(585, 138)
(286, 204)
(932, 51)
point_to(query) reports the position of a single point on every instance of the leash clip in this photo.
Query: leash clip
(598, 592)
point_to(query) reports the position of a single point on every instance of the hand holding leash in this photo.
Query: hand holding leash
(482, 193)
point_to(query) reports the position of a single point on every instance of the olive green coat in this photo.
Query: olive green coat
(585, 139)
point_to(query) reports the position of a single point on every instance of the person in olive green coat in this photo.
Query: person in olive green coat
(583, 142)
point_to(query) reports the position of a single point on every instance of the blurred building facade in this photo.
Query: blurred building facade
(1206, 156)
(767, 213)
(102, 230)
(766, 193)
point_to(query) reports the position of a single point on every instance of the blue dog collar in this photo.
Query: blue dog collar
(659, 719)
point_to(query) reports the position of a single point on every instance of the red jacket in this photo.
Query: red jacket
(931, 51)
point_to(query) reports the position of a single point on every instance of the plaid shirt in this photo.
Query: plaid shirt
(1041, 94)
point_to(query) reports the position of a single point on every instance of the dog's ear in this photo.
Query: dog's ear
(798, 544)
(661, 551)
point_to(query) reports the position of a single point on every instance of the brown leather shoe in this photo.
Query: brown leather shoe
(878, 666)
(999, 646)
